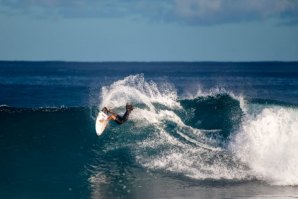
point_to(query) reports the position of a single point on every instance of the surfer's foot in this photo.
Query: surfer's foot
(129, 107)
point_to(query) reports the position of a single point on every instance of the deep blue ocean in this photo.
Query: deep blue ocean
(198, 130)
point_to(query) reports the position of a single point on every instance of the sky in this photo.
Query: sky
(149, 30)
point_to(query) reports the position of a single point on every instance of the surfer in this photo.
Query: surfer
(117, 118)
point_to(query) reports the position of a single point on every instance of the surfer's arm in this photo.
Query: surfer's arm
(115, 117)
(112, 117)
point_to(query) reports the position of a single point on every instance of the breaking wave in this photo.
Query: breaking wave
(215, 135)
(208, 136)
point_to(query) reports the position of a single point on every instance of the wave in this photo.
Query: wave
(212, 135)
(216, 135)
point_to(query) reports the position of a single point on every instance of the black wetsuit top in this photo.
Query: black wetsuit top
(124, 118)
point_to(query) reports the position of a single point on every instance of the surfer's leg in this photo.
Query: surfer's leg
(129, 108)
(124, 118)
(119, 120)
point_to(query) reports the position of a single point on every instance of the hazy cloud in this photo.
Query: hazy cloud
(196, 12)
(226, 11)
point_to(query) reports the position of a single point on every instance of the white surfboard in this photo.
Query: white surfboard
(101, 122)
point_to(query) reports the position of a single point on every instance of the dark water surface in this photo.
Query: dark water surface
(198, 130)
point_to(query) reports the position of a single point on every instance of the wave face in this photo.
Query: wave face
(44, 145)
(211, 136)
(173, 135)
(214, 136)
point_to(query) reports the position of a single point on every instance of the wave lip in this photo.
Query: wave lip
(135, 89)
(268, 143)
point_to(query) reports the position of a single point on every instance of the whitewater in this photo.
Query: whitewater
(261, 144)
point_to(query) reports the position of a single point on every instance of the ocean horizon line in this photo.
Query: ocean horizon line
(207, 61)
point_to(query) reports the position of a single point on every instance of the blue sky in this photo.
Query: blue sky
(149, 30)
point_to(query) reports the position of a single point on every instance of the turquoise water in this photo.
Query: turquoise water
(198, 130)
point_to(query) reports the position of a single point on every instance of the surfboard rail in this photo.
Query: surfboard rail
(101, 122)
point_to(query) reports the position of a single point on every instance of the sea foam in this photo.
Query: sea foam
(268, 143)
(263, 147)
(178, 147)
